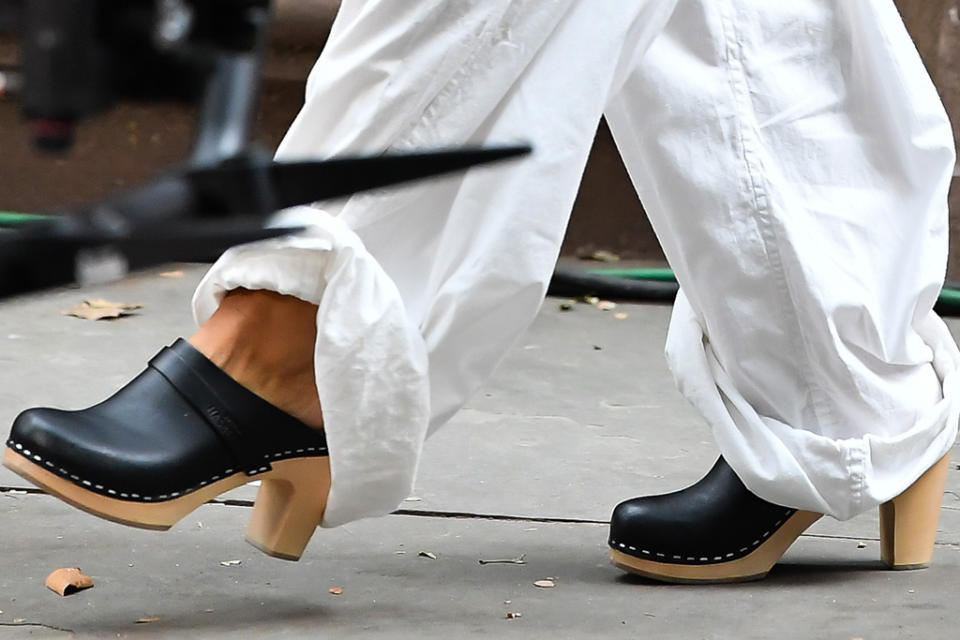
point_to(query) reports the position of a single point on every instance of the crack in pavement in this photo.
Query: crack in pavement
(37, 624)
(470, 515)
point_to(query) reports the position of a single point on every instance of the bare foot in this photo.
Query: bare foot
(265, 341)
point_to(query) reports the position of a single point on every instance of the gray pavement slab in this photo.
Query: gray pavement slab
(823, 588)
(564, 430)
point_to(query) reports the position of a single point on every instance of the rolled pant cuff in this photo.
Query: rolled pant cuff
(370, 363)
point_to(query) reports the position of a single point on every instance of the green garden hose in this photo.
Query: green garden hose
(13, 218)
(660, 274)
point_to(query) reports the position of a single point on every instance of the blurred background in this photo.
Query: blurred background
(135, 141)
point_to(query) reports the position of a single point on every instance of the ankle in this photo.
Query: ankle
(247, 324)
(265, 341)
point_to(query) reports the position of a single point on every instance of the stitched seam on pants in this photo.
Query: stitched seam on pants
(746, 128)
(488, 39)
(482, 45)
(856, 472)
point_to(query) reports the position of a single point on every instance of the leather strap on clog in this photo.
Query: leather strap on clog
(240, 440)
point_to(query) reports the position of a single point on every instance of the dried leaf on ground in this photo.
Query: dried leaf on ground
(68, 581)
(336, 591)
(148, 619)
(545, 584)
(100, 309)
(427, 554)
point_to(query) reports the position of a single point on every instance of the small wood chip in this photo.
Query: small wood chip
(68, 581)
(148, 620)
(545, 584)
(518, 560)
(337, 591)
(427, 554)
(620, 315)
(513, 615)
(861, 545)
(602, 255)
(177, 273)
(100, 309)
(606, 305)
(229, 563)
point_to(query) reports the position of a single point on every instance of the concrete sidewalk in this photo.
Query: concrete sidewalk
(581, 415)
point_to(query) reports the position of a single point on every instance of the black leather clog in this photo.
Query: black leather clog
(713, 531)
(180, 433)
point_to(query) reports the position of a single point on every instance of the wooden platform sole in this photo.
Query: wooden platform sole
(289, 504)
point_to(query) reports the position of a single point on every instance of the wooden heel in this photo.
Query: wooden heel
(289, 506)
(908, 523)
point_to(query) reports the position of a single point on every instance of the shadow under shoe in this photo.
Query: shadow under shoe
(718, 531)
(179, 434)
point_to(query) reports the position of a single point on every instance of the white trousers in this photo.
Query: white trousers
(794, 159)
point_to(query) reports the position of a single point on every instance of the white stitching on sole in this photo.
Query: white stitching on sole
(704, 560)
(63, 472)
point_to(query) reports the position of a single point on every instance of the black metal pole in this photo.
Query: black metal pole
(228, 110)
